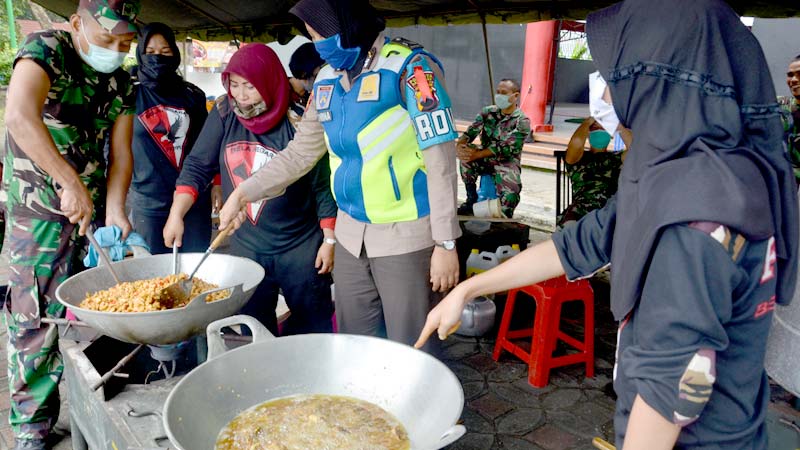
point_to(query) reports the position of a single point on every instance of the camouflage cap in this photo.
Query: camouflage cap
(116, 16)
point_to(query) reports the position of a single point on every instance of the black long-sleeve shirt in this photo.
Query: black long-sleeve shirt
(164, 132)
(225, 146)
(693, 347)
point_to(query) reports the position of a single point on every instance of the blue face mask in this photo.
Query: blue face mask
(333, 53)
(502, 101)
(599, 139)
(100, 58)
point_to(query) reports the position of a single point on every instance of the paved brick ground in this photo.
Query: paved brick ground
(503, 411)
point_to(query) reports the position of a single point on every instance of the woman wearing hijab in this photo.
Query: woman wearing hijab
(381, 109)
(290, 236)
(702, 234)
(170, 114)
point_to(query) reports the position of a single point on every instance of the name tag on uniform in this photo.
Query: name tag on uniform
(370, 88)
(324, 116)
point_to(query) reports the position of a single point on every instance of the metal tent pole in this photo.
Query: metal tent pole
(488, 57)
(12, 25)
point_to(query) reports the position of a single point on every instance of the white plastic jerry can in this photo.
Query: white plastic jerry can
(479, 262)
(506, 252)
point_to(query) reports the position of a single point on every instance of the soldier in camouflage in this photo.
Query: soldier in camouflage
(790, 115)
(503, 128)
(67, 94)
(594, 173)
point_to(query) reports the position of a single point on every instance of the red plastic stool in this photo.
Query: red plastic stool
(546, 330)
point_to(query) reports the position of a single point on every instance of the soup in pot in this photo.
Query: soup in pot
(318, 422)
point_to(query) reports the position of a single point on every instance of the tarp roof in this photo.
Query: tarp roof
(266, 20)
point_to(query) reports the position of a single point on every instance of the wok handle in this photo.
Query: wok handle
(200, 300)
(453, 434)
(223, 234)
(216, 346)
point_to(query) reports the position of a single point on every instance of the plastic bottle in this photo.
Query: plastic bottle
(506, 252)
(479, 262)
(487, 190)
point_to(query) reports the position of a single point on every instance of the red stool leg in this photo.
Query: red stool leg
(588, 338)
(505, 323)
(558, 302)
(541, 344)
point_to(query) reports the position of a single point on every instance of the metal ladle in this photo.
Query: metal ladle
(103, 256)
(180, 291)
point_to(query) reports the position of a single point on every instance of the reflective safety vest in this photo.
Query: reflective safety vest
(377, 171)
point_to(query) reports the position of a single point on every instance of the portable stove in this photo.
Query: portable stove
(117, 391)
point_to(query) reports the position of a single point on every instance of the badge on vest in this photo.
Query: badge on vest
(370, 88)
(324, 116)
(423, 84)
(324, 94)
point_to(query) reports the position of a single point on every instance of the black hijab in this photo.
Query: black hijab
(158, 71)
(691, 82)
(356, 21)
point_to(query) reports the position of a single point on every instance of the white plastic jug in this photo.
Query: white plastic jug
(488, 209)
(506, 252)
(479, 262)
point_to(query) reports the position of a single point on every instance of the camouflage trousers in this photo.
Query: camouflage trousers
(40, 253)
(507, 180)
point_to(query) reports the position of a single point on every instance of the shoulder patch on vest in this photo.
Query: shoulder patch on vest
(324, 93)
(423, 84)
(732, 241)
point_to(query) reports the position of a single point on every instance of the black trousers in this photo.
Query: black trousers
(196, 234)
(307, 293)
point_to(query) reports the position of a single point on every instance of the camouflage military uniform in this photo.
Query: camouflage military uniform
(80, 110)
(790, 116)
(594, 181)
(504, 135)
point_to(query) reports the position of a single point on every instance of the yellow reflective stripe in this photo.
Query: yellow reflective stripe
(388, 139)
(379, 200)
(379, 126)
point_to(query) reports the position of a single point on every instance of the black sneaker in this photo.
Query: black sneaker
(465, 209)
(29, 444)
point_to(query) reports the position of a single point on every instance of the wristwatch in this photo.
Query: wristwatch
(447, 245)
(330, 241)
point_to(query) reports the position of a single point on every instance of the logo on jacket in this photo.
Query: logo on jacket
(243, 159)
(423, 84)
(168, 126)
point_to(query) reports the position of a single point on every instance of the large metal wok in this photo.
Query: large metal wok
(782, 361)
(173, 325)
(783, 347)
(414, 386)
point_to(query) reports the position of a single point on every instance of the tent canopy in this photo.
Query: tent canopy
(270, 19)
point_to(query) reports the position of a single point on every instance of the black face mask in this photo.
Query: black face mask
(159, 67)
